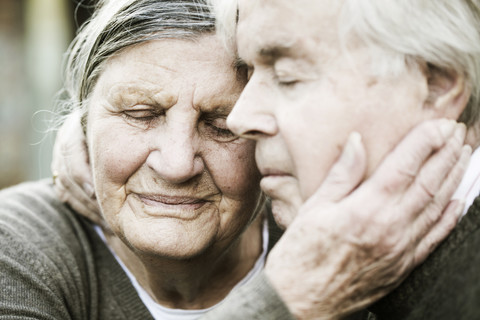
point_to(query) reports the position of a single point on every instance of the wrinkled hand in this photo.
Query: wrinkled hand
(353, 243)
(70, 166)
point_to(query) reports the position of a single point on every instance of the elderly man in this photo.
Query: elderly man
(326, 74)
(320, 70)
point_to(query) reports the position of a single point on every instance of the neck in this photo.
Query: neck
(195, 283)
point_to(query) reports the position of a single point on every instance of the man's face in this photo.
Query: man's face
(307, 93)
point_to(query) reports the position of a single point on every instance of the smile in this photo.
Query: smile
(185, 208)
(169, 200)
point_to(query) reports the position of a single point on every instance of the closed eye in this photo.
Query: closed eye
(142, 117)
(216, 129)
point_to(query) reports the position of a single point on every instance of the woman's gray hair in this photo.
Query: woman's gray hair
(444, 34)
(118, 24)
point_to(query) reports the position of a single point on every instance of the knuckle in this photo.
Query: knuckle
(77, 176)
(432, 133)
(426, 188)
(404, 176)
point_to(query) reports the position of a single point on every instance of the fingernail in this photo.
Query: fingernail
(467, 150)
(87, 187)
(349, 151)
(447, 127)
(460, 131)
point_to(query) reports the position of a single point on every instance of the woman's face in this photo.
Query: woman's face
(170, 178)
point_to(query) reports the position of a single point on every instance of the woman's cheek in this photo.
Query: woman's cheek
(117, 154)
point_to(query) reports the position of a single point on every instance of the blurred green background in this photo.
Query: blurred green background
(34, 35)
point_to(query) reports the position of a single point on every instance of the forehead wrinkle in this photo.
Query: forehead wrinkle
(159, 65)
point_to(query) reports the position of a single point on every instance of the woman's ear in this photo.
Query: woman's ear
(448, 93)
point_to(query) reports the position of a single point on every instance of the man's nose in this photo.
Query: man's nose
(175, 157)
(252, 116)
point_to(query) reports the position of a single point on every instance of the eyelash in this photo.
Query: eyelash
(287, 83)
(224, 133)
(145, 120)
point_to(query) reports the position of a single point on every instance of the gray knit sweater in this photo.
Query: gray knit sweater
(53, 265)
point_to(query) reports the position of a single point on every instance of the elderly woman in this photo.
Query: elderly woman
(178, 192)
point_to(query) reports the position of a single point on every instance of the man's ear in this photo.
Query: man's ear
(448, 93)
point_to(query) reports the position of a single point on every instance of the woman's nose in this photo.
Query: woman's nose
(176, 157)
(252, 116)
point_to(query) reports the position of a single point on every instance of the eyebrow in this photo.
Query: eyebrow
(274, 51)
(150, 94)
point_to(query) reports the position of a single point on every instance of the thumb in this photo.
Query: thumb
(346, 174)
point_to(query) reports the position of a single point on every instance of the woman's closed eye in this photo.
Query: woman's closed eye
(217, 129)
(143, 117)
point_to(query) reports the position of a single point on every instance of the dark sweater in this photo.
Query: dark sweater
(53, 265)
(447, 285)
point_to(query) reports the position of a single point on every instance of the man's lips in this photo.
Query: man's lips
(273, 172)
(273, 182)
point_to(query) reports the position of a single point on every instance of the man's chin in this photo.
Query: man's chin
(283, 213)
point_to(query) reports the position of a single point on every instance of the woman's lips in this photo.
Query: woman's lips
(171, 206)
(169, 200)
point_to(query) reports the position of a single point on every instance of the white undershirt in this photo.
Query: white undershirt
(160, 312)
(469, 188)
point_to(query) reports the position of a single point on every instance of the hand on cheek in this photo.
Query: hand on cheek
(352, 241)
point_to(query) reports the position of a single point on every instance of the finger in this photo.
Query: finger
(70, 147)
(92, 215)
(454, 178)
(346, 173)
(400, 167)
(434, 211)
(442, 171)
(73, 192)
(83, 205)
(78, 171)
(440, 231)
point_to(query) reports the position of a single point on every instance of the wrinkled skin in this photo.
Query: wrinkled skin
(355, 229)
(360, 220)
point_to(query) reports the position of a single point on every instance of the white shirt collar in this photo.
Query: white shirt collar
(160, 312)
(469, 188)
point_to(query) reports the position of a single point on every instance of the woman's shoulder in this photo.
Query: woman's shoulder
(44, 253)
(39, 231)
(34, 221)
(35, 207)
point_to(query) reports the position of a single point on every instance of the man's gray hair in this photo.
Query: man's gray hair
(444, 34)
(441, 33)
(118, 24)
